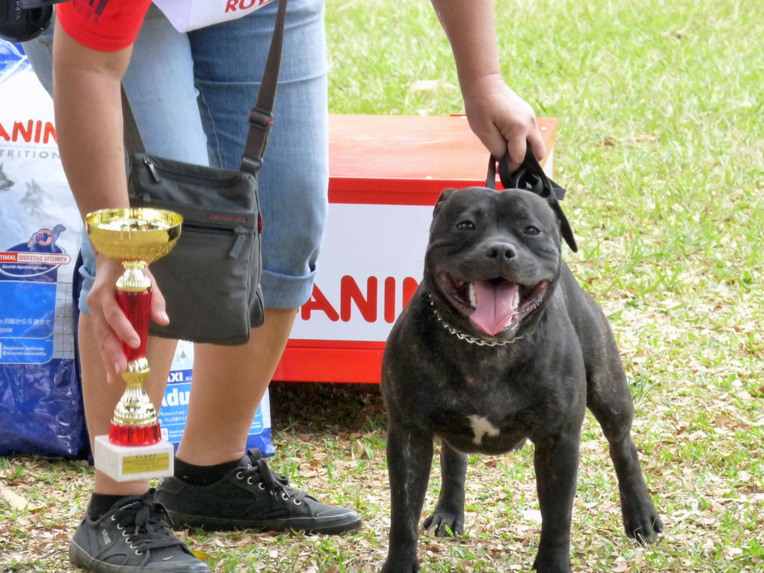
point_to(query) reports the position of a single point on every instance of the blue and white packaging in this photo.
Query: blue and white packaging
(40, 227)
(174, 410)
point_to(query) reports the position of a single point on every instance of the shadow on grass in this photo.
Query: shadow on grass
(326, 408)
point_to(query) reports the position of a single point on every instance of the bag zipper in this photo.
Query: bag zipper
(154, 169)
(239, 232)
(147, 162)
(238, 244)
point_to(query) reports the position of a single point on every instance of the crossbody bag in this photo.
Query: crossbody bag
(211, 279)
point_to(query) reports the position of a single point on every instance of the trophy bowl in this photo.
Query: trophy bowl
(141, 235)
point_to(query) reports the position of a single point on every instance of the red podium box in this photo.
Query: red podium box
(385, 175)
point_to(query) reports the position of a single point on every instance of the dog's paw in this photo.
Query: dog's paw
(444, 523)
(642, 523)
(400, 565)
(552, 562)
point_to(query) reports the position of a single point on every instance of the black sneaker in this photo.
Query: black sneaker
(251, 496)
(134, 536)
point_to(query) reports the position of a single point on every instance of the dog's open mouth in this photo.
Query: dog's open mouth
(493, 305)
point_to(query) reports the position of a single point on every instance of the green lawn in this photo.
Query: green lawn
(660, 145)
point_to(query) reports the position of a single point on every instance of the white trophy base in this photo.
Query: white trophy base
(129, 463)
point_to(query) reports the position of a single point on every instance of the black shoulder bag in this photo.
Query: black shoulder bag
(211, 279)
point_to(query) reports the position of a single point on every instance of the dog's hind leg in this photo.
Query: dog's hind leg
(448, 517)
(609, 400)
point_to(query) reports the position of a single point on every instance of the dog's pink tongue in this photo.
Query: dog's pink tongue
(495, 305)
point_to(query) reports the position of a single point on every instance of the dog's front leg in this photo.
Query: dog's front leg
(449, 513)
(409, 458)
(556, 464)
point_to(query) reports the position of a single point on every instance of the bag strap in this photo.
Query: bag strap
(260, 116)
(132, 135)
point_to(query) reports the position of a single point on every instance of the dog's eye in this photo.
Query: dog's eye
(465, 226)
(531, 230)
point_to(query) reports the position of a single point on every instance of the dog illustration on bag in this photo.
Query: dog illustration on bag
(5, 182)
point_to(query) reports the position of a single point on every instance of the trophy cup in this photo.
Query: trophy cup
(134, 448)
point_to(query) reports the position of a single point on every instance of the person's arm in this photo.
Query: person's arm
(88, 113)
(499, 117)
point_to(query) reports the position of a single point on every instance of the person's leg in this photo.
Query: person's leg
(228, 63)
(229, 382)
(170, 123)
(123, 527)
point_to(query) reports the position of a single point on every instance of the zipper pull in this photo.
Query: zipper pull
(238, 244)
(154, 175)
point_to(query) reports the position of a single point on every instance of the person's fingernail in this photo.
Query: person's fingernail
(163, 316)
(116, 367)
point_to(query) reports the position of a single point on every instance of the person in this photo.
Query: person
(190, 93)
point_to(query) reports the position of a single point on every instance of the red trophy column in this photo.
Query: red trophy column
(127, 432)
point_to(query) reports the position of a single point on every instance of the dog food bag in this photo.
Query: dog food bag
(40, 227)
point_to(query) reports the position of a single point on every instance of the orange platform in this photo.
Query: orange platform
(386, 173)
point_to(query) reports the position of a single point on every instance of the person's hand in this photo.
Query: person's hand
(110, 325)
(502, 120)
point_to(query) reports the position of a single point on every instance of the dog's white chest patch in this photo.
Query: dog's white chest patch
(481, 427)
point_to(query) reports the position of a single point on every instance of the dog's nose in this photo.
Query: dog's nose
(501, 251)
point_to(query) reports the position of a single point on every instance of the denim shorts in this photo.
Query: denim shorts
(191, 94)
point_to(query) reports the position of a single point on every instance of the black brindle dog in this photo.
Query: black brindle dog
(498, 345)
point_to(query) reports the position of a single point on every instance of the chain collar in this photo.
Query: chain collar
(466, 337)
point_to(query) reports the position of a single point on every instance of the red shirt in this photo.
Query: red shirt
(105, 25)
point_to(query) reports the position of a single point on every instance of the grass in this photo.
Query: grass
(660, 146)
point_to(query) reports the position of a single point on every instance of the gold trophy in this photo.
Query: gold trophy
(134, 448)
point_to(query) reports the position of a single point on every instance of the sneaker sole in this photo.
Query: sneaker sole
(330, 526)
(80, 558)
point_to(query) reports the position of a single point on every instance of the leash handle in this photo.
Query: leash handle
(508, 180)
(490, 179)
(530, 176)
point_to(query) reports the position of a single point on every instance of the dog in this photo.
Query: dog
(500, 345)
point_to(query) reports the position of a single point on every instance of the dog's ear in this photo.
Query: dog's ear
(444, 195)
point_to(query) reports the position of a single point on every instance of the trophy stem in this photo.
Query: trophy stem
(137, 308)
(135, 421)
